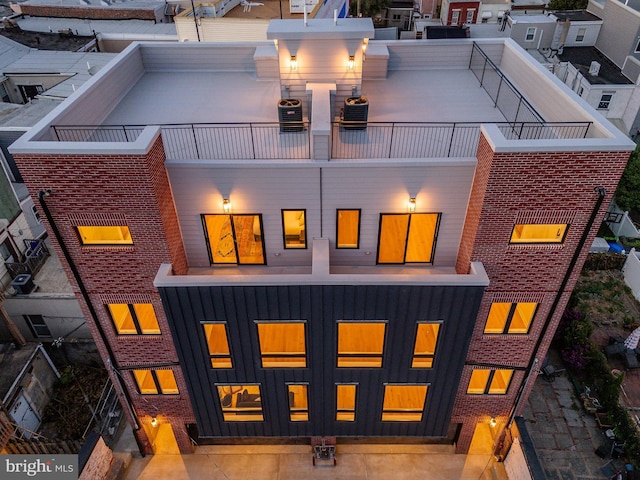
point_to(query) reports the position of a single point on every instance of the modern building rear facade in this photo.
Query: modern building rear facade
(322, 234)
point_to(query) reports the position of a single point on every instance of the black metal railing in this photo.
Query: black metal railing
(431, 140)
(224, 141)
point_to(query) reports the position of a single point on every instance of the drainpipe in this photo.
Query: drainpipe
(601, 191)
(42, 194)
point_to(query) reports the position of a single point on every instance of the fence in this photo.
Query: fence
(432, 140)
(506, 97)
(229, 141)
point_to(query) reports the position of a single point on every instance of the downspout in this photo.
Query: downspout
(85, 295)
(601, 191)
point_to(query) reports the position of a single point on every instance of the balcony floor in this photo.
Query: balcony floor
(429, 95)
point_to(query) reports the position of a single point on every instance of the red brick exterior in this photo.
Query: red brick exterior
(463, 7)
(91, 13)
(515, 188)
(116, 190)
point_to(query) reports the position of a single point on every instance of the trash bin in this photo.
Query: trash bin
(290, 115)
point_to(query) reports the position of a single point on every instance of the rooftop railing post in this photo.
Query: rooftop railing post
(124, 130)
(253, 146)
(520, 133)
(586, 130)
(484, 67)
(453, 132)
(495, 104)
(391, 140)
(518, 109)
(195, 141)
(55, 130)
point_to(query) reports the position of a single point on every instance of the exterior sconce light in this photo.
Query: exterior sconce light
(293, 63)
(226, 205)
(493, 422)
(352, 62)
(154, 422)
(412, 204)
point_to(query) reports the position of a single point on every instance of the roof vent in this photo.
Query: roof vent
(594, 69)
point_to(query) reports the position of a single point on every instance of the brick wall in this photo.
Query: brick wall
(93, 13)
(99, 462)
(119, 190)
(512, 188)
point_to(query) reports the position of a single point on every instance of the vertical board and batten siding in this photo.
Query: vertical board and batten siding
(106, 93)
(228, 57)
(546, 96)
(321, 306)
(231, 29)
(373, 189)
(619, 33)
(256, 190)
(387, 190)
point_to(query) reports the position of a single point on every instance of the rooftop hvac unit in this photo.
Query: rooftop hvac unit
(594, 69)
(355, 113)
(23, 284)
(290, 115)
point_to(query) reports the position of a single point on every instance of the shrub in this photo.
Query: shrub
(604, 261)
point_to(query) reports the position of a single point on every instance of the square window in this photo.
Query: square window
(360, 344)
(240, 403)
(605, 101)
(404, 403)
(282, 344)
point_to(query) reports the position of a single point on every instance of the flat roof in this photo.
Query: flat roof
(581, 58)
(577, 16)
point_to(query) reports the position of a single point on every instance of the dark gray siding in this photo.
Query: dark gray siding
(321, 307)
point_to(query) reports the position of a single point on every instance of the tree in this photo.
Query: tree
(567, 5)
(628, 191)
(368, 8)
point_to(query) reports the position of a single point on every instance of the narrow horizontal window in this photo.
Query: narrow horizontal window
(539, 233)
(115, 235)
(240, 403)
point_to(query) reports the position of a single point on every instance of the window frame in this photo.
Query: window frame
(213, 356)
(401, 412)
(410, 215)
(261, 356)
(123, 243)
(489, 381)
(530, 35)
(34, 326)
(357, 245)
(304, 229)
(509, 319)
(346, 356)
(156, 381)
(134, 317)
(582, 32)
(455, 13)
(237, 412)
(212, 262)
(605, 104)
(567, 226)
(347, 411)
(298, 410)
(470, 13)
(431, 356)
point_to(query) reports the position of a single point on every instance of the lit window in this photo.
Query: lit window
(346, 402)
(298, 403)
(404, 403)
(489, 382)
(156, 382)
(407, 237)
(348, 229)
(116, 235)
(294, 228)
(240, 403)
(425, 346)
(360, 344)
(510, 318)
(605, 101)
(282, 344)
(234, 239)
(218, 345)
(580, 35)
(531, 34)
(539, 233)
(134, 319)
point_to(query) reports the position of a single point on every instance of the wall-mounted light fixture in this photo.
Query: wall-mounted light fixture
(226, 205)
(154, 422)
(352, 62)
(411, 205)
(293, 63)
(493, 422)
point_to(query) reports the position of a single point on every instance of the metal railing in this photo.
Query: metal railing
(223, 141)
(432, 140)
(35, 256)
(504, 94)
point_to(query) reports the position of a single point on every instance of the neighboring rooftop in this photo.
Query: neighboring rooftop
(581, 58)
(142, 29)
(576, 16)
(12, 361)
